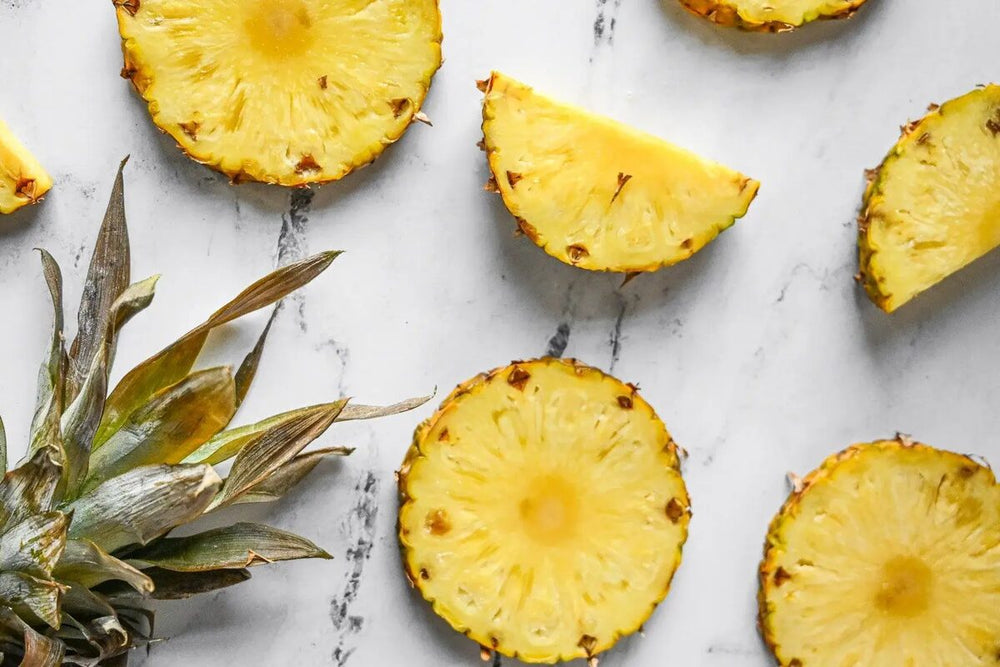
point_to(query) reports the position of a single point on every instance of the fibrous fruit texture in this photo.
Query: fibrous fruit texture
(543, 510)
(598, 194)
(933, 205)
(771, 15)
(282, 91)
(85, 519)
(886, 556)
(22, 179)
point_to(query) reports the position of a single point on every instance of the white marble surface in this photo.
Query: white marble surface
(760, 353)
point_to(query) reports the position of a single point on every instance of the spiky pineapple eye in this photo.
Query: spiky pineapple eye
(543, 510)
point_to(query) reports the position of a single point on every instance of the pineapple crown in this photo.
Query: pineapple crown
(85, 517)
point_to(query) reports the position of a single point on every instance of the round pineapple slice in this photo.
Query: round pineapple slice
(886, 556)
(933, 205)
(282, 91)
(771, 15)
(543, 510)
(598, 194)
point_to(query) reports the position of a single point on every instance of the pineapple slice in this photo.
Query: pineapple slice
(22, 179)
(886, 556)
(543, 510)
(771, 15)
(598, 194)
(933, 205)
(282, 91)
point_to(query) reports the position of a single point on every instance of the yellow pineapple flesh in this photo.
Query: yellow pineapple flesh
(886, 556)
(23, 180)
(543, 510)
(771, 15)
(282, 91)
(598, 194)
(933, 205)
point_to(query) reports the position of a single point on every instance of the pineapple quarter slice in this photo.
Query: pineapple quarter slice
(598, 194)
(933, 205)
(543, 510)
(23, 180)
(886, 556)
(771, 15)
(282, 91)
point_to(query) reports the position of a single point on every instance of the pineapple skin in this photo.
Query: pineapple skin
(23, 180)
(873, 274)
(136, 70)
(410, 568)
(499, 180)
(727, 13)
(773, 543)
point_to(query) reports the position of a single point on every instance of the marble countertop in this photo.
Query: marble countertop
(760, 353)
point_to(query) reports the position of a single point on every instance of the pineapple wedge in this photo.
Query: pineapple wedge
(598, 194)
(282, 91)
(886, 556)
(23, 180)
(933, 205)
(543, 510)
(771, 15)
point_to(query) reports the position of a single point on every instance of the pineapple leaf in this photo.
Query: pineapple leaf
(3, 448)
(287, 476)
(34, 545)
(273, 449)
(45, 424)
(31, 596)
(227, 444)
(107, 278)
(142, 504)
(248, 369)
(29, 488)
(103, 637)
(174, 422)
(172, 585)
(84, 562)
(39, 650)
(356, 411)
(231, 547)
(175, 361)
(80, 601)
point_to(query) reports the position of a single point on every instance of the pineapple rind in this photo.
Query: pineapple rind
(771, 16)
(304, 138)
(23, 180)
(426, 438)
(677, 203)
(776, 547)
(924, 217)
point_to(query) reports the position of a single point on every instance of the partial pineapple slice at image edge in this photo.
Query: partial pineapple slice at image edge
(933, 205)
(290, 92)
(23, 180)
(543, 512)
(885, 555)
(771, 15)
(598, 194)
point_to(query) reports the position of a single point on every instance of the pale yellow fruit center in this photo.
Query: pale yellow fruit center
(550, 510)
(278, 28)
(905, 588)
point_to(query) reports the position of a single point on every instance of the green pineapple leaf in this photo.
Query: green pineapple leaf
(282, 480)
(86, 563)
(34, 545)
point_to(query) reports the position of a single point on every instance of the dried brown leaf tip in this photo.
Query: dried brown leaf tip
(306, 164)
(323, 82)
(130, 6)
(190, 128)
(781, 576)
(492, 186)
(481, 144)
(577, 252)
(623, 179)
(483, 85)
(421, 117)
(518, 378)
(128, 70)
(871, 175)
(675, 510)
(909, 127)
(797, 484)
(933, 106)
(513, 177)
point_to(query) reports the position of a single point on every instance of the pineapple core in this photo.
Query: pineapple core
(543, 510)
(279, 29)
(905, 588)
